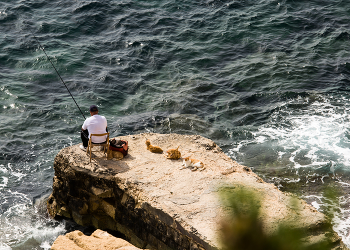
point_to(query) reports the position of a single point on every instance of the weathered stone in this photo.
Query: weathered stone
(108, 208)
(156, 244)
(78, 205)
(52, 206)
(94, 203)
(99, 240)
(102, 193)
(154, 203)
(83, 220)
(103, 222)
(64, 212)
(64, 243)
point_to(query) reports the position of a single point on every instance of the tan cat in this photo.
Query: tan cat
(194, 163)
(153, 149)
(173, 154)
(115, 154)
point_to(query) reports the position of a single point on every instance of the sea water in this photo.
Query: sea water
(267, 80)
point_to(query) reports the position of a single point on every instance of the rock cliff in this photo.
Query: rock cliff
(157, 205)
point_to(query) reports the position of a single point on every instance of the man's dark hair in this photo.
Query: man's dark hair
(93, 108)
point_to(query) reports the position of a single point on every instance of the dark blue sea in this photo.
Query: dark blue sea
(267, 80)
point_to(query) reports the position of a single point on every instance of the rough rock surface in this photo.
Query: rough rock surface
(157, 205)
(99, 240)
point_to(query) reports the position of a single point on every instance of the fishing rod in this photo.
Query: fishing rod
(58, 74)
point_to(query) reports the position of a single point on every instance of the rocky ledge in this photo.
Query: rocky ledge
(99, 239)
(157, 205)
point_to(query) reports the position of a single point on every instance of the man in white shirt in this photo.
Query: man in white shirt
(96, 124)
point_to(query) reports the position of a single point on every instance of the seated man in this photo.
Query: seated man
(96, 124)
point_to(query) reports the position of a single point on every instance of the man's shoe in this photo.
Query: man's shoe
(82, 147)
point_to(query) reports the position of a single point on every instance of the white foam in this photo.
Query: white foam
(315, 205)
(260, 139)
(317, 133)
(45, 245)
(3, 246)
(5, 181)
(3, 169)
(18, 175)
(341, 222)
(21, 222)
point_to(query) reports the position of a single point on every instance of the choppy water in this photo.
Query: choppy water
(267, 80)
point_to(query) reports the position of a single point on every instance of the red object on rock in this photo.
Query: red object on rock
(123, 149)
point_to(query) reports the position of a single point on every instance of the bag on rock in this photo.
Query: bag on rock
(119, 145)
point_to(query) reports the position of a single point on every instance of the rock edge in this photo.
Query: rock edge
(158, 206)
(98, 240)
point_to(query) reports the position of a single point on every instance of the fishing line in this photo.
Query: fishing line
(58, 74)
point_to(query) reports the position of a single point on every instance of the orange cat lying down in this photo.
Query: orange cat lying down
(153, 149)
(173, 154)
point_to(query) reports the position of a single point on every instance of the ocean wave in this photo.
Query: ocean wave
(268, 81)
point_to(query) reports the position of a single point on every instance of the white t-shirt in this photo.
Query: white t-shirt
(96, 124)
